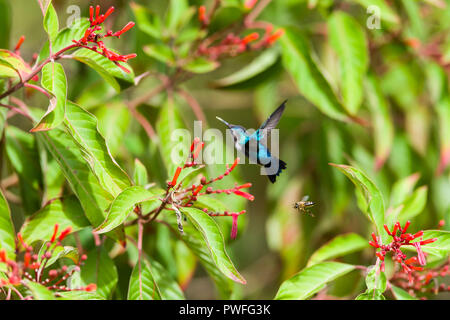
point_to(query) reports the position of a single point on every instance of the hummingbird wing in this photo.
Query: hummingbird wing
(271, 122)
(274, 118)
(305, 198)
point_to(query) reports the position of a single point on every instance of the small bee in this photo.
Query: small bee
(304, 205)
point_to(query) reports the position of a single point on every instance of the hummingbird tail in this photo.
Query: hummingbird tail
(281, 166)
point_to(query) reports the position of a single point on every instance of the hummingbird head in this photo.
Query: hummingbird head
(237, 131)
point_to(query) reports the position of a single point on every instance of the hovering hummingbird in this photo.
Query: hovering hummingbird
(243, 142)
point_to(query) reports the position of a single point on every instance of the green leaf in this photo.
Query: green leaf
(146, 21)
(349, 41)
(375, 280)
(309, 80)
(64, 38)
(338, 247)
(441, 247)
(168, 125)
(113, 123)
(443, 111)
(7, 233)
(201, 65)
(370, 196)
(11, 61)
(53, 80)
(402, 188)
(413, 205)
(401, 294)
(311, 280)
(107, 69)
(82, 125)
(160, 52)
(194, 240)
(79, 295)
(123, 205)
(153, 282)
(140, 175)
(383, 126)
(59, 252)
(5, 23)
(256, 67)
(98, 269)
(371, 295)
(51, 24)
(93, 196)
(177, 15)
(214, 241)
(66, 212)
(38, 291)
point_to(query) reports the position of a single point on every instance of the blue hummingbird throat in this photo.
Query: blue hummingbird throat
(252, 146)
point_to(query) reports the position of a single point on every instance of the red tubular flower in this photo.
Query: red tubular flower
(55, 231)
(19, 44)
(246, 195)
(406, 226)
(175, 177)
(236, 161)
(380, 256)
(427, 241)
(128, 26)
(64, 233)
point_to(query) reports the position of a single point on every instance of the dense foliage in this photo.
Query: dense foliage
(94, 206)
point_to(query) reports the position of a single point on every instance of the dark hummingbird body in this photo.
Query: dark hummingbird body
(252, 146)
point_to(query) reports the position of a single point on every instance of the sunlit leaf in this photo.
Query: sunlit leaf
(311, 280)
(337, 247)
(7, 233)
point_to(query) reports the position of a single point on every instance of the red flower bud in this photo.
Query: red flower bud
(175, 177)
(251, 37)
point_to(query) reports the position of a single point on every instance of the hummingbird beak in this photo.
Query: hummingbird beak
(227, 124)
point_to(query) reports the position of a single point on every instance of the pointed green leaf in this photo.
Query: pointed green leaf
(256, 67)
(153, 282)
(123, 205)
(201, 65)
(82, 126)
(7, 233)
(38, 291)
(94, 198)
(51, 24)
(140, 175)
(307, 76)
(213, 239)
(66, 212)
(53, 80)
(311, 280)
(338, 247)
(349, 41)
(369, 195)
(401, 294)
(107, 69)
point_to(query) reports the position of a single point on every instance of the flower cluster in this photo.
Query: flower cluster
(422, 282)
(92, 38)
(32, 266)
(400, 239)
(232, 44)
(186, 197)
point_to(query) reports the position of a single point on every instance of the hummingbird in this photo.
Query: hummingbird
(262, 156)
